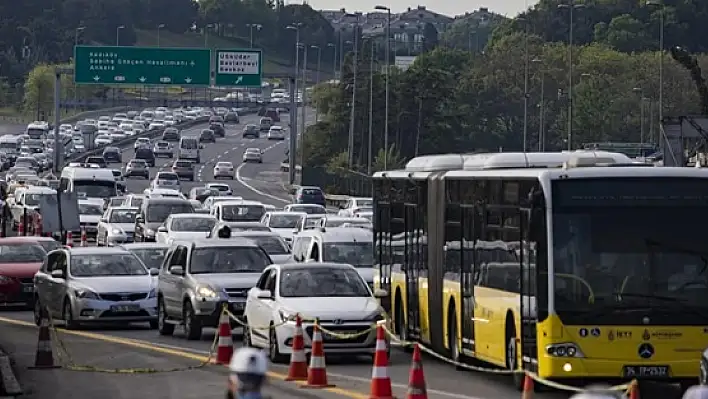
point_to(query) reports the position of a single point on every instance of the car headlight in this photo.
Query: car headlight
(152, 294)
(286, 315)
(86, 294)
(116, 230)
(206, 292)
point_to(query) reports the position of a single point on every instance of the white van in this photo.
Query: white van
(88, 182)
(189, 149)
(37, 130)
(351, 245)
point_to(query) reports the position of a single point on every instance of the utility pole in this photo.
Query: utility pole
(355, 68)
(571, 6)
(293, 106)
(388, 78)
(371, 110)
(304, 103)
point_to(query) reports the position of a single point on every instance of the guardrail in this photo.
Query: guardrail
(74, 118)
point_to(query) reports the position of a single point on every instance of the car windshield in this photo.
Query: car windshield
(242, 213)
(224, 165)
(364, 203)
(284, 221)
(33, 199)
(353, 222)
(358, 254)
(90, 209)
(158, 213)
(272, 245)
(221, 187)
(21, 253)
(322, 282)
(151, 257)
(167, 176)
(103, 265)
(162, 144)
(183, 164)
(123, 216)
(95, 189)
(228, 260)
(192, 224)
(138, 164)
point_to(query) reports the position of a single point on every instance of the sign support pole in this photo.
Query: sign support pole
(293, 130)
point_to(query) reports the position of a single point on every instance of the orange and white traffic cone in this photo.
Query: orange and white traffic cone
(225, 348)
(44, 359)
(69, 239)
(527, 392)
(380, 380)
(298, 360)
(317, 373)
(634, 390)
(416, 378)
(84, 238)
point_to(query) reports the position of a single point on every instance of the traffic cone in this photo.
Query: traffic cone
(298, 361)
(44, 359)
(527, 393)
(84, 238)
(225, 348)
(380, 381)
(317, 373)
(69, 239)
(633, 390)
(416, 378)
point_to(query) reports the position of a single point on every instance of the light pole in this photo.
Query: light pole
(388, 67)
(526, 83)
(371, 109)
(206, 34)
(571, 6)
(662, 11)
(640, 91)
(355, 71)
(317, 75)
(251, 27)
(334, 60)
(293, 103)
(159, 28)
(77, 32)
(304, 100)
(541, 106)
(118, 29)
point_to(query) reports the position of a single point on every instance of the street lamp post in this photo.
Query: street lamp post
(370, 153)
(526, 84)
(118, 29)
(206, 34)
(388, 74)
(251, 27)
(293, 104)
(355, 71)
(660, 4)
(641, 112)
(334, 60)
(317, 75)
(159, 28)
(304, 101)
(541, 106)
(77, 32)
(571, 6)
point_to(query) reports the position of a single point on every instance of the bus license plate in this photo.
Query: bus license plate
(646, 371)
(125, 308)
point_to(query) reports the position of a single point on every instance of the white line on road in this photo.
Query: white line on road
(241, 180)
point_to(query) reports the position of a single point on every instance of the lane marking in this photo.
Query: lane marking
(243, 182)
(202, 356)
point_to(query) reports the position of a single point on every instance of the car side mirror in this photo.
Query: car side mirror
(162, 229)
(57, 273)
(177, 270)
(139, 219)
(154, 272)
(379, 293)
(265, 294)
(104, 220)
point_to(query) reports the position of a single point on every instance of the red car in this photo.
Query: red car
(20, 259)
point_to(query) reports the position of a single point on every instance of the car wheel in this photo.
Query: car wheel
(68, 316)
(273, 349)
(192, 327)
(163, 327)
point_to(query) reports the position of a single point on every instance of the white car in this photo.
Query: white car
(224, 169)
(185, 226)
(141, 142)
(271, 242)
(355, 205)
(117, 226)
(310, 209)
(283, 223)
(224, 189)
(156, 125)
(102, 139)
(334, 293)
(168, 180)
(345, 221)
(90, 213)
(276, 133)
(253, 155)
(162, 193)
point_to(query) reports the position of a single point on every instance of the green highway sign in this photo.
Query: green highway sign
(111, 65)
(239, 68)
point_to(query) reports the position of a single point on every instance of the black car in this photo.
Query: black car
(146, 155)
(207, 136)
(112, 154)
(309, 195)
(100, 161)
(218, 129)
(251, 131)
(171, 134)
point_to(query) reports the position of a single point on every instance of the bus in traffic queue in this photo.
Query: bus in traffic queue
(573, 265)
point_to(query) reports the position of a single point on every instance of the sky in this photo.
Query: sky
(510, 8)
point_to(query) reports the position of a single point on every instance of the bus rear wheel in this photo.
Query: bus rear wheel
(401, 327)
(512, 359)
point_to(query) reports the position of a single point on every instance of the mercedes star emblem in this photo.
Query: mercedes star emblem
(646, 351)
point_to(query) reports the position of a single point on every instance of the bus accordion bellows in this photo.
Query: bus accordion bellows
(572, 265)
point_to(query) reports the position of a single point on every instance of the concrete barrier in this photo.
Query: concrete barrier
(72, 119)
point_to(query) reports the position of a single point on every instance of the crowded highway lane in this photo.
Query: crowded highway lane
(352, 375)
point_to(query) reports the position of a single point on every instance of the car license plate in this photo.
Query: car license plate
(125, 308)
(339, 334)
(28, 288)
(646, 371)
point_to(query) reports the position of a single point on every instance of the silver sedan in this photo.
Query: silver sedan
(224, 169)
(117, 226)
(95, 285)
(253, 155)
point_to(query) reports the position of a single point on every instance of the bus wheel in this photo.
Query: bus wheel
(452, 340)
(512, 359)
(401, 327)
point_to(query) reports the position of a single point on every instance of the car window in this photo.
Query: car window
(90, 209)
(272, 245)
(247, 213)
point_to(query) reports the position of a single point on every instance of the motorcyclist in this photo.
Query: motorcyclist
(248, 370)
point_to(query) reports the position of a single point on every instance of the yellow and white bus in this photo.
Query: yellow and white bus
(573, 265)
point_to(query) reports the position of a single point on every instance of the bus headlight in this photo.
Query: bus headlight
(567, 349)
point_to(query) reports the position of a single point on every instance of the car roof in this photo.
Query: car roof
(251, 233)
(221, 243)
(238, 202)
(315, 265)
(287, 213)
(191, 216)
(142, 245)
(165, 200)
(124, 208)
(348, 233)
(96, 250)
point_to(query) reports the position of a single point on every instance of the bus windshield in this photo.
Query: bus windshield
(622, 251)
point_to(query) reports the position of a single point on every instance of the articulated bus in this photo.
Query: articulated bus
(632, 150)
(574, 265)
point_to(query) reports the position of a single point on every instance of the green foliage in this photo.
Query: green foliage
(39, 89)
